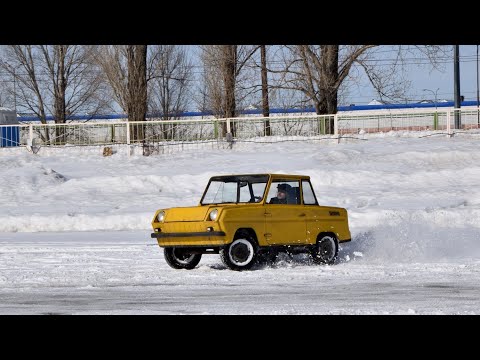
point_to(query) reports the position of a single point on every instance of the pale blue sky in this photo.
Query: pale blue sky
(421, 77)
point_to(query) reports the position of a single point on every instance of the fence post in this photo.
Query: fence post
(128, 133)
(448, 122)
(335, 124)
(30, 134)
(228, 125)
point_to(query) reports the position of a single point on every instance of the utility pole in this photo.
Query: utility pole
(456, 75)
(15, 90)
(265, 104)
(478, 97)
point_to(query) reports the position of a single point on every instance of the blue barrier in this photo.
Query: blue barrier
(9, 136)
(272, 111)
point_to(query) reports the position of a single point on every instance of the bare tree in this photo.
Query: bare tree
(23, 64)
(319, 71)
(5, 96)
(388, 75)
(57, 79)
(137, 82)
(125, 67)
(211, 88)
(169, 74)
(112, 60)
(75, 82)
(223, 66)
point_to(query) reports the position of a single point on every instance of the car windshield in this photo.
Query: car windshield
(235, 189)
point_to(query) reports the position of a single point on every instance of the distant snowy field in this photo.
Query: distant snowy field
(75, 230)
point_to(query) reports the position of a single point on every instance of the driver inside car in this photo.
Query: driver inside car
(281, 197)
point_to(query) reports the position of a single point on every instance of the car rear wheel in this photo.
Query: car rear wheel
(179, 258)
(241, 254)
(268, 256)
(326, 250)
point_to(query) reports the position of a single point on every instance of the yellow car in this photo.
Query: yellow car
(249, 219)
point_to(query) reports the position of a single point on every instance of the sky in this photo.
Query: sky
(439, 83)
(75, 229)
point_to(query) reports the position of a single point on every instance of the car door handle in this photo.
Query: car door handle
(302, 215)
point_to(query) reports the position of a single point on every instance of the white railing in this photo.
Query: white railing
(214, 130)
(417, 120)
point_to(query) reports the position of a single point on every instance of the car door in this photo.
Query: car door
(316, 217)
(285, 223)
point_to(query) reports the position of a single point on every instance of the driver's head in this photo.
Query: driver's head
(282, 190)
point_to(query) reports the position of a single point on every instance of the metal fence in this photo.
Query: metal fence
(419, 120)
(170, 132)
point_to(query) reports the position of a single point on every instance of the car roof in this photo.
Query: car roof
(289, 176)
(274, 176)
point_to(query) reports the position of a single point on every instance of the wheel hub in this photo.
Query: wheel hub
(240, 253)
(182, 256)
(325, 249)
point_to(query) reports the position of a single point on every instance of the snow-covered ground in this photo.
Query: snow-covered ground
(75, 230)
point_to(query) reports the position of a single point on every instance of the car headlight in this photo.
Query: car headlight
(161, 216)
(213, 214)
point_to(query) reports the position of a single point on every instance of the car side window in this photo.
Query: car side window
(293, 195)
(258, 190)
(308, 194)
(244, 194)
(289, 192)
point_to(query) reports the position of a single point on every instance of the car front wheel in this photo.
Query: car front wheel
(326, 250)
(240, 254)
(179, 258)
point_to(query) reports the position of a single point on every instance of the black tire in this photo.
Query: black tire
(179, 258)
(268, 256)
(241, 254)
(326, 250)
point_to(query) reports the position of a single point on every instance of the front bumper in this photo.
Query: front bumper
(192, 238)
(160, 235)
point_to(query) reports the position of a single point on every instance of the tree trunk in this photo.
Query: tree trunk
(137, 88)
(328, 90)
(265, 104)
(59, 91)
(43, 119)
(229, 63)
(230, 67)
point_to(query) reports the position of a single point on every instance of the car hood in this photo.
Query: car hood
(198, 213)
(193, 213)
